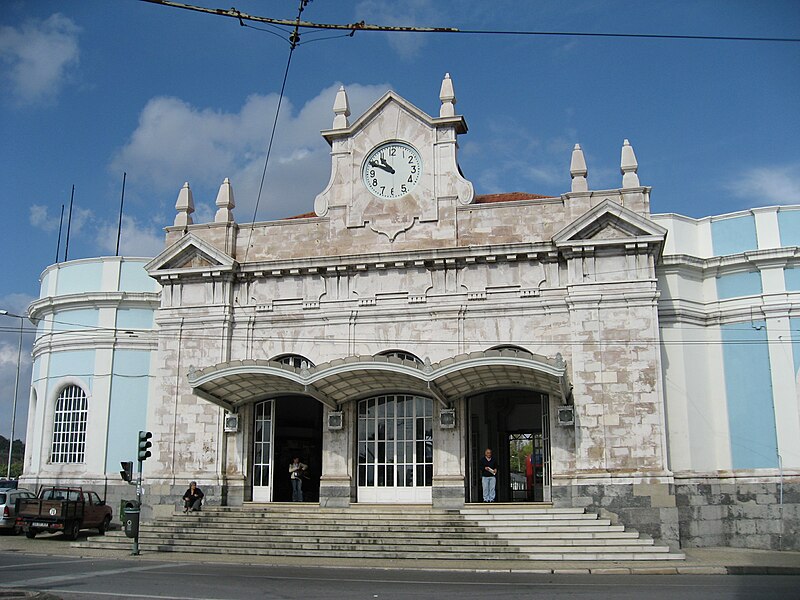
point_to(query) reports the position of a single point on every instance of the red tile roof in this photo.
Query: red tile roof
(507, 197)
(303, 216)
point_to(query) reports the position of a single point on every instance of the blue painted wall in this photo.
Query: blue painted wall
(133, 278)
(789, 227)
(75, 320)
(74, 363)
(134, 318)
(735, 235)
(80, 278)
(736, 285)
(128, 413)
(791, 277)
(748, 387)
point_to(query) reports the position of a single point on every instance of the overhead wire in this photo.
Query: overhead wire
(362, 26)
(293, 39)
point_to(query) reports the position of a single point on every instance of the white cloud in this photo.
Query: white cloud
(777, 184)
(135, 239)
(38, 57)
(176, 142)
(521, 161)
(409, 13)
(41, 219)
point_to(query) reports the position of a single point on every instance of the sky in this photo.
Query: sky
(95, 89)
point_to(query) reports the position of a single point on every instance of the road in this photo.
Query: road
(72, 578)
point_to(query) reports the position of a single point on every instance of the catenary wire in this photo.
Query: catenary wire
(364, 27)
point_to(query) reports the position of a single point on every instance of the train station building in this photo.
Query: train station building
(634, 364)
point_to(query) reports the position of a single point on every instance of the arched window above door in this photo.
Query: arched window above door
(294, 360)
(402, 355)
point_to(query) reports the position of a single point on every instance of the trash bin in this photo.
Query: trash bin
(130, 518)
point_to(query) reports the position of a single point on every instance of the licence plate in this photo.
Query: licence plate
(40, 524)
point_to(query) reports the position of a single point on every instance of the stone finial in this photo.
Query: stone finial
(225, 203)
(448, 98)
(629, 166)
(184, 206)
(341, 110)
(578, 170)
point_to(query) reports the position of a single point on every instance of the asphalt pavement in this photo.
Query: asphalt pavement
(699, 561)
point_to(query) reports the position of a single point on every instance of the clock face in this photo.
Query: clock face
(392, 170)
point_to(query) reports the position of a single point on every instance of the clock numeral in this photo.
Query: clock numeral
(391, 193)
(392, 151)
(403, 188)
(383, 189)
(411, 160)
(372, 172)
(410, 179)
(413, 168)
(374, 182)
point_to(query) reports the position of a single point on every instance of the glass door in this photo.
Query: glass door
(262, 450)
(545, 450)
(395, 449)
(521, 466)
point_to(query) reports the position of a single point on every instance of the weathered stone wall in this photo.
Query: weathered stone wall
(648, 508)
(741, 515)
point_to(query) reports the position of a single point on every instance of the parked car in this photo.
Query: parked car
(64, 509)
(8, 503)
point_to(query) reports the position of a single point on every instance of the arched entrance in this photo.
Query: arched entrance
(283, 428)
(515, 424)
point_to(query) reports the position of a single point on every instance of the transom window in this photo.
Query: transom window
(402, 355)
(395, 441)
(294, 360)
(69, 426)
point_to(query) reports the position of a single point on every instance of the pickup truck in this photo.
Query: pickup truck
(64, 509)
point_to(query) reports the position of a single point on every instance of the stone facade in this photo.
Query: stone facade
(458, 322)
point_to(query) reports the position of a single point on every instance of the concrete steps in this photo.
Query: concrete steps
(497, 532)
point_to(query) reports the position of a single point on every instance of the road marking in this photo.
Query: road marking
(40, 581)
(43, 564)
(83, 593)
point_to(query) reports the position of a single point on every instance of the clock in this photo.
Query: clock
(392, 170)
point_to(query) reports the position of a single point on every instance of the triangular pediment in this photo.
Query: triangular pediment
(382, 105)
(610, 223)
(190, 254)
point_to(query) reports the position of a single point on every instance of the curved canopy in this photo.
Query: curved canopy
(234, 383)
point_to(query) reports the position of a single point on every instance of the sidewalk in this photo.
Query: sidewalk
(699, 561)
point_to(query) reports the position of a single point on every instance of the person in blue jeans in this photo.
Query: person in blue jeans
(488, 475)
(296, 473)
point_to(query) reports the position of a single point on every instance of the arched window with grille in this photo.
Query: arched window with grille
(69, 426)
(294, 360)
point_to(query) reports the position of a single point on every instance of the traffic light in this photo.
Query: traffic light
(127, 470)
(144, 445)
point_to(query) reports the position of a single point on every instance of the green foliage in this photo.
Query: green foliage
(17, 457)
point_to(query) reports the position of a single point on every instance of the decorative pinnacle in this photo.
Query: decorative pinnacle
(578, 170)
(225, 203)
(341, 109)
(184, 206)
(448, 97)
(629, 166)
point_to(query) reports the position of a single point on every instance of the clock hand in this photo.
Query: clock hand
(386, 166)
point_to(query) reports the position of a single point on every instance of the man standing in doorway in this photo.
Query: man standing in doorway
(296, 472)
(488, 475)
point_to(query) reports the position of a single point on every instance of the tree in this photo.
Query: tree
(17, 457)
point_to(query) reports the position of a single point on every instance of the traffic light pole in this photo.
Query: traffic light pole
(135, 551)
(144, 444)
